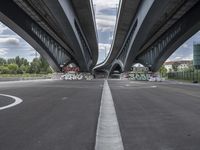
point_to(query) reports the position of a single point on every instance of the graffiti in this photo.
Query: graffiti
(139, 69)
(72, 76)
(68, 69)
(88, 76)
(73, 73)
(77, 76)
(139, 76)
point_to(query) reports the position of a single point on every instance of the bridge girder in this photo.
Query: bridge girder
(43, 32)
(157, 53)
(157, 23)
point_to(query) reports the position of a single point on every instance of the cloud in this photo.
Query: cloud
(103, 51)
(185, 45)
(103, 47)
(105, 23)
(105, 3)
(3, 27)
(3, 51)
(105, 14)
(9, 41)
(108, 11)
(185, 51)
(12, 45)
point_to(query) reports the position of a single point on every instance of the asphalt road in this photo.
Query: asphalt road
(4, 101)
(54, 115)
(63, 115)
(157, 116)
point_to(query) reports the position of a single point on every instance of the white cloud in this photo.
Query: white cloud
(9, 41)
(105, 25)
(185, 51)
(3, 51)
(104, 47)
(3, 27)
(105, 3)
(103, 51)
(105, 14)
(185, 45)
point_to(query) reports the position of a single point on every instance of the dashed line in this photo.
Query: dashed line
(16, 102)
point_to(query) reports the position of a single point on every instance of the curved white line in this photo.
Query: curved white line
(17, 101)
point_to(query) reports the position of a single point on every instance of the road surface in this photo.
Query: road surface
(157, 116)
(63, 115)
(54, 115)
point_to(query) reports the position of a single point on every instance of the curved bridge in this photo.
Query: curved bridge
(154, 30)
(57, 29)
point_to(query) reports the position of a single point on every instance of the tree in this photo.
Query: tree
(24, 68)
(18, 61)
(13, 68)
(49, 70)
(163, 70)
(21, 61)
(35, 66)
(11, 61)
(2, 61)
(175, 66)
(4, 70)
(21, 65)
(24, 62)
(43, 65)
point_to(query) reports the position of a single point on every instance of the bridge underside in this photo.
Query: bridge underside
(53, 32)
(156, 54)
(157, 30)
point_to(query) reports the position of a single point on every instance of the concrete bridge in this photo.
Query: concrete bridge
(149, 31)
(61, 31)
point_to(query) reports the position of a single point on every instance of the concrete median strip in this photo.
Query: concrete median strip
(108, 136)
(16, 102)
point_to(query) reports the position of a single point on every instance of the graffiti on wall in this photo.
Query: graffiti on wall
(139, 74)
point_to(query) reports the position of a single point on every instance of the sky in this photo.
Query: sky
(12, 45)
(185, 51)
(105, 14)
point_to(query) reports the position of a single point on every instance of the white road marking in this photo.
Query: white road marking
(17, 101)
(64, 98)
(108, 136)
(154, 86)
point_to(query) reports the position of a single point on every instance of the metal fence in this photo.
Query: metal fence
(192, 75)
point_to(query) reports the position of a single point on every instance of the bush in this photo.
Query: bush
(4, 70)
(13, 68)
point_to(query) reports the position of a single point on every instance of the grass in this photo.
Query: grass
(24, 75)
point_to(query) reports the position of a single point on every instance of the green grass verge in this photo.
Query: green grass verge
(24, 75)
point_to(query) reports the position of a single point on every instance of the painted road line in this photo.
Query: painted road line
(154, 86)
(108, 136)
(17, 101)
